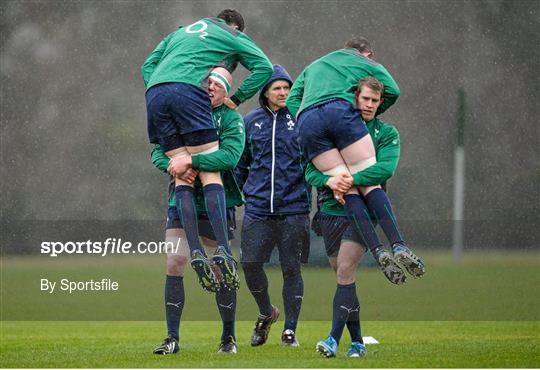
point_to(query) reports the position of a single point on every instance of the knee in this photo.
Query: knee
(210, 178)
(176, 265)
(252, 267)
(365, 190)
(290, 270)
(345, 273)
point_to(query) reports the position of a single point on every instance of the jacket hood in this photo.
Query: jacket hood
(280, 73)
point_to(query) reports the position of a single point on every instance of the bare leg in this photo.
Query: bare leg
(350, 254)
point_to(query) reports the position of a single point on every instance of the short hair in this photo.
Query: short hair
(359, 43)
(232, 16)
(372, 83)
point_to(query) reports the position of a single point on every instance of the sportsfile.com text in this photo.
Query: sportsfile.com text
(109, 246)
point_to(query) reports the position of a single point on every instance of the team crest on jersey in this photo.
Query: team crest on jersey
(290, 123)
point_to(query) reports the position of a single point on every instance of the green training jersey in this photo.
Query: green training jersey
(336, 76)
(230, 126)
(190, 53)
(387, 147)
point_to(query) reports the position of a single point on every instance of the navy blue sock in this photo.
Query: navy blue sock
(214, 196)
(257, 284)
(380, 205)
(226, 302)
(185, 202)
(343, 306)
(353, 322)
(358, 213)
(293, 294)
(174, 303)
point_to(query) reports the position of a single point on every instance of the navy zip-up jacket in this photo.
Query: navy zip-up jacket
(271, 170)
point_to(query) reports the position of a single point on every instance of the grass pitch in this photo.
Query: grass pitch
(403, 344)
(481, 313)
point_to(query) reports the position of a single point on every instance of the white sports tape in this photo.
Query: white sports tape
(211, 150)
(338, 170)
(362, 165)
(183, 153)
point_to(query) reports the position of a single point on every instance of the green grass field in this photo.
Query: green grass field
(481, 313)
(403, 344)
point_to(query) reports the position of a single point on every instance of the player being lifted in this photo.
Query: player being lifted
(336, 140)
(344, 246)
(180, 118)
(231, 144)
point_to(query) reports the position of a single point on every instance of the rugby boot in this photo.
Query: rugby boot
(288, 338)
(204, 271)
(389, 267)
(327, 347)
(228, 268)
(356, 349)
(228, 346)
(406, 258)
(168, 347)
(262, 327)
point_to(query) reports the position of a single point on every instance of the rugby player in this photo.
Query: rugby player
(180, 118)
(336, 140)
(230, 127)
(344, 246)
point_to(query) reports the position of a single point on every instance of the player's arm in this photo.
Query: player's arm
(315, 177)
(231, 146)
(159, 159)
(153, 60)
(391, 89)
(294, 100)
(253, 59)
(388, 151)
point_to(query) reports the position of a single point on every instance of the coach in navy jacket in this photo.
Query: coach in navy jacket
(277, 205)
(270, 170)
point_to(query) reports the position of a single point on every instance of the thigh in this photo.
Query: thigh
(330, 160)
(293, 238)
(359, 155)
(257, 239)
(349, 256)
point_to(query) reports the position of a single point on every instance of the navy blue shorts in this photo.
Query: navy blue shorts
(178, 115)
(333, 124)
(336, 229)
(205, 227)
(261, 234)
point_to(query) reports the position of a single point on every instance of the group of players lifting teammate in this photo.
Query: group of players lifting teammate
(218, 160)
